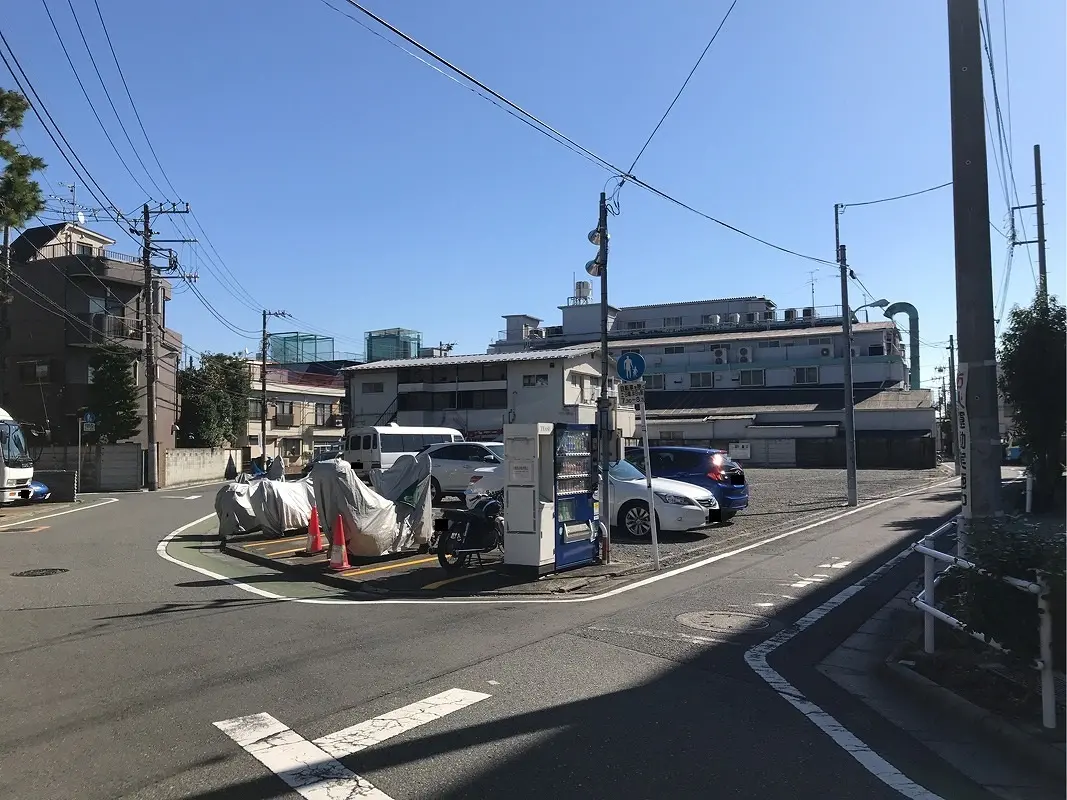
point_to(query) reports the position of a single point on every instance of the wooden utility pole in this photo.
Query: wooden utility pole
(976, 416)
(263, 385)
(849, 406)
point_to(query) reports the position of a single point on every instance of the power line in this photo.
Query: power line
(898, 197)
(685, 83)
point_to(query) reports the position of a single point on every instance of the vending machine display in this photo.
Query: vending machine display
(577, 526)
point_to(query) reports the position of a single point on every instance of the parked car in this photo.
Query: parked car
(38, 491)
(711, 469)
(679, 506)
(453, 464)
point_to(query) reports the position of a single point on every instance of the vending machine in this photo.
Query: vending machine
(551, 514)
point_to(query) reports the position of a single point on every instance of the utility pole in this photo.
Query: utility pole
(1042, 281)
(263, 384)
(952, 401)
(150, 312)
(598, 267)
(976, 416)
(852, 491)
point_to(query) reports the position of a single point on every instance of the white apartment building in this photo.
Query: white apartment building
(479, 394)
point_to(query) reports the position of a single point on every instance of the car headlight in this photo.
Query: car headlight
(674, 499)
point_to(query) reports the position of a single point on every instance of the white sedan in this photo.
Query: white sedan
(679, 506)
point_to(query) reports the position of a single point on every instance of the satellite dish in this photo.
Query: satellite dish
(81, 218)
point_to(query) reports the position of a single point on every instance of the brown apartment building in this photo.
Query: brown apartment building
(72, 294)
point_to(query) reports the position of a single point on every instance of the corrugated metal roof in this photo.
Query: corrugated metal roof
(479, 358)
(890, 400)
(696, 302)
(744, 336)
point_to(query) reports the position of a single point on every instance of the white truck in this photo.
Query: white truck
(16, 467)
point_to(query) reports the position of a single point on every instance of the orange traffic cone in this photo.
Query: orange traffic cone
(314, 543)
(339, 549)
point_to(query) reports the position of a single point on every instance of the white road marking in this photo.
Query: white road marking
(835, 565)
(179, 497)
(312, 769)
(360, 737)
(106, 501)
(303, 766)
(764, 605)
(688, 638)
(161, 551)
(756, 657)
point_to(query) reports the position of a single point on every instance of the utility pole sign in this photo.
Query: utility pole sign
(962, 433)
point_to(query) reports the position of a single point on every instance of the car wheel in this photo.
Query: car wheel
(634, 519)
(435, 492)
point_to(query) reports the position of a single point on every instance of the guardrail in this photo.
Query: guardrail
(926, 601)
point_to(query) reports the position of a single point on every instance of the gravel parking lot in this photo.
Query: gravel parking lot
(779, 499)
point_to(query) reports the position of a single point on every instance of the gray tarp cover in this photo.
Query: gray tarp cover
(276, 507)
(233, 505)
(374, 524)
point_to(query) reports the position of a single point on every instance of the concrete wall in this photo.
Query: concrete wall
(62, 484)
(197, 465)
(104, 468)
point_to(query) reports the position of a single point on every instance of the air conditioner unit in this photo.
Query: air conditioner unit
(751, 317)
(744, 355)
(790, 314)
(826, 352)
(721, 355)
(809, 313)
(733, 319)
(769, 316)
(537, 333)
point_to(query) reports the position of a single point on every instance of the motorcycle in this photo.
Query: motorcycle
(463, 534)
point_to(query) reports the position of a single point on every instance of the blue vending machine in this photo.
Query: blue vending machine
(577, 527)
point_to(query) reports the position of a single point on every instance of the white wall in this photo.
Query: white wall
(196, 464)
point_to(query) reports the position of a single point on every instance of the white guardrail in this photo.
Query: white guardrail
(926, 600)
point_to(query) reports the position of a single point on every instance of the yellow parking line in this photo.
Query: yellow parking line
(265, 542)
(287, 552)
(384, 567)
(439, 584)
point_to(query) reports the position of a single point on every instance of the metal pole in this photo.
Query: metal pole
(605, 369)
(79, 479)
(929, 587)
(1048, 684)
(852, 492)
(151, 473)
(263, 392)
(1042, 283)
(648, 483)
(952, 400)
(980, 484)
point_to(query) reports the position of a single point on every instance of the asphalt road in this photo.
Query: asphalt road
(117, 670)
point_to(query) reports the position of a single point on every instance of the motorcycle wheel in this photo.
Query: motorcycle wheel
(450, 560)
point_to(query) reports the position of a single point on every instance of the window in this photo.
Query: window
(322, 414)
(469, 373)
(475, 453)
(821, 340)
(803, 376)
(283, 406)
(751, 377)
(672, 322)
(638, 325)
(253, 440)
(673, 350)
(34, 372)
(373, 387)
(671, 436)
(654, 381)
(107, 305)
(534, 380)
(445, 375)
(85, 249)
(700, 380)
(876, 350)
(255, 408)
(494, 372)
(769, 343)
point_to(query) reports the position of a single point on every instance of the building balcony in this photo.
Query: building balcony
(98, 329)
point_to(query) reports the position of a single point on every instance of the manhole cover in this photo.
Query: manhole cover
(722, 621)
(38, 573)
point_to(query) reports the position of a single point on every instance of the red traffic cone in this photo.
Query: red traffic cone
(314, 542)
(339, 549)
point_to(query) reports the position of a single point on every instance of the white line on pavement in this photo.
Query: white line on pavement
(756, 658)
(104, 502)
(673, 636)
(161, 551)
(303, 766)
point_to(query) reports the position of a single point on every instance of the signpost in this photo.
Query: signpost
(630, 368)
(86, 424)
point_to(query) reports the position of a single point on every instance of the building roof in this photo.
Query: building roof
(479, 358)
(25, 247)
(701, 302)
(300, 388)
(745, 335)
(764, 401)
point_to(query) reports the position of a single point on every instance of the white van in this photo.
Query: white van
(379, 446)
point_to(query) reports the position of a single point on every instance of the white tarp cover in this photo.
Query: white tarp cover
(276, 470)
(283, 506)
(375, 525)
(233, 505)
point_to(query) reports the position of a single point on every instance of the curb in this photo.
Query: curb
(1036, 747)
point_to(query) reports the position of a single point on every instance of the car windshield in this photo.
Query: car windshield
(13, 445)
(498, 450)
(625, 471)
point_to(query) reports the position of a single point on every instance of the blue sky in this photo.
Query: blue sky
(351, 185)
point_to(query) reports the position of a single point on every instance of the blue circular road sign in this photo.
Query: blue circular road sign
(630, 367)
(89, 417)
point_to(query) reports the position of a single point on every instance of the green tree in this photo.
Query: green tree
(214, 410)
(113, 395)
(1033, 362)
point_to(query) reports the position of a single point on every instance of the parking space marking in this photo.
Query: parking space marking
(31, 520)
(38, 529)
(265, 542)
(385, 567)
(287, 552)
(446, 581)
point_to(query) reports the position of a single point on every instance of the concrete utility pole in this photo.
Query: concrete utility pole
(263, 384)
(603, 405)
(978, 431)
(952, 401)
(1042, 281)
(150, 311)
(852, 491)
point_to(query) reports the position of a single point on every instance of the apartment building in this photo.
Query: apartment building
(479, 394)
(71, 294)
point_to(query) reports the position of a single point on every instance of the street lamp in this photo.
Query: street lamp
(876, 304)
(598, 268)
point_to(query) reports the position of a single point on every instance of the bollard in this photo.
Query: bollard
(1048, 684)
(929, 570)
(1029, 492)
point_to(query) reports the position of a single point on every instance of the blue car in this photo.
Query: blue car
(701, 466)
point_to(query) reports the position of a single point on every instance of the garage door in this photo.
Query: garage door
(773, 452)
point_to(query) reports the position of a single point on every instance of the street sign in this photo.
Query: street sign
(630, 367)
(89, 418)
(88, 427)
(630, 394)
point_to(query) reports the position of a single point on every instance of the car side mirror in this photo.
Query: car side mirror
(491, 459)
